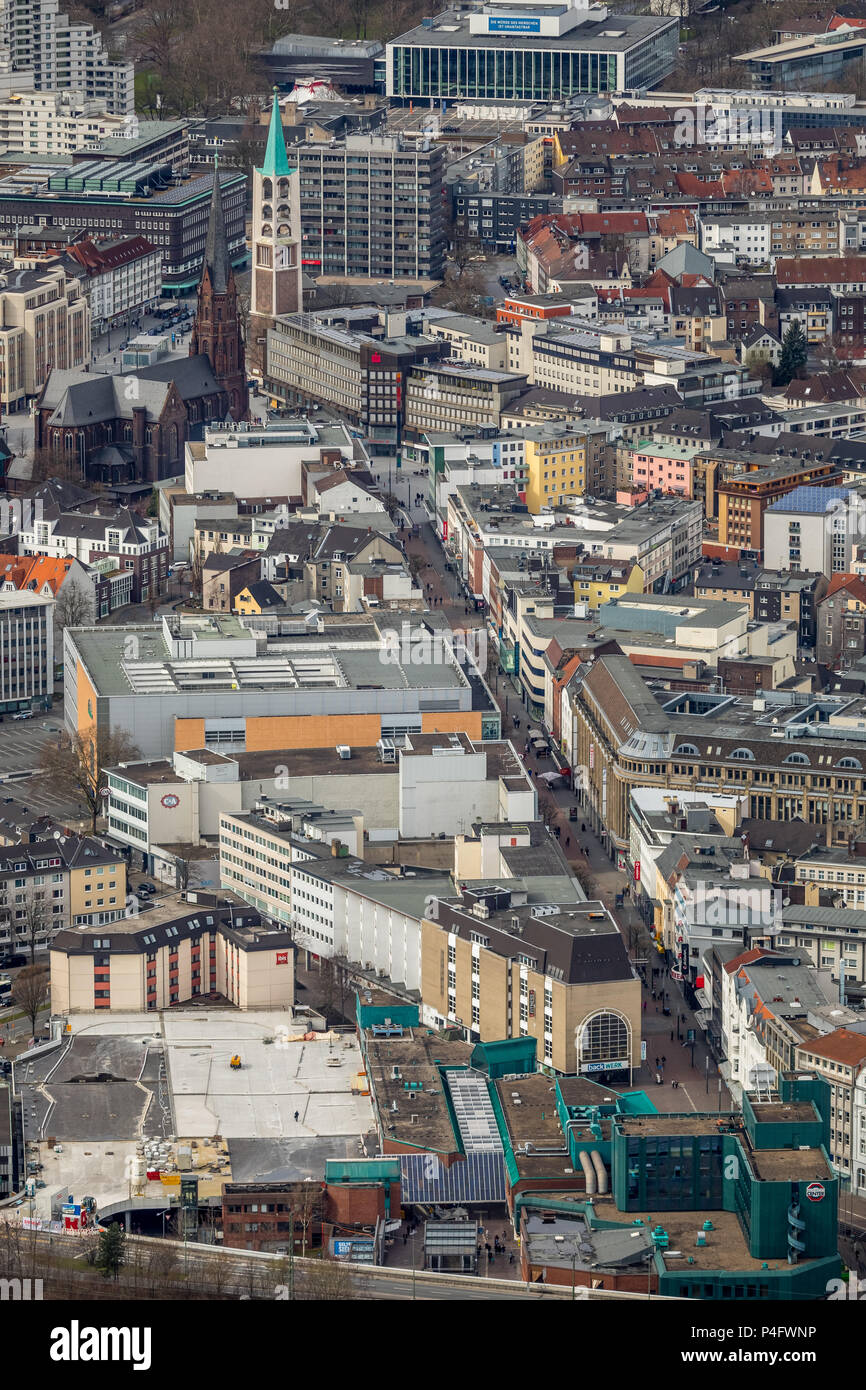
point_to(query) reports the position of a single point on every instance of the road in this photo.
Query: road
(261, 1277)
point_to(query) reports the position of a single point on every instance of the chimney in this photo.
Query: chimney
(336, 846)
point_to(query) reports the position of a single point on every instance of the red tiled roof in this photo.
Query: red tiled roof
(819, 270)
(841, 1046)
(753, 954)
(852, 583)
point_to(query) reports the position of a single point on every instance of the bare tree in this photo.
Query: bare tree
(72, 607)
(32, 926)
(759, 365)
(30, 992)
(326, 1281)
(76, 764)
(462, 292)
(464, 250)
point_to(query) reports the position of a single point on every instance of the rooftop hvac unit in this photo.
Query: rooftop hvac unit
(387, 749)
(344, 750)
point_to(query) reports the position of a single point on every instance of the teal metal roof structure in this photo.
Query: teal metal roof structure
(276, 161)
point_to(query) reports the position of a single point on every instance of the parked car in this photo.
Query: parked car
(147, 888)
(23, 714)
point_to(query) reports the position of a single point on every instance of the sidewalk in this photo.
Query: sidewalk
(407, 1246)
(691, 1066)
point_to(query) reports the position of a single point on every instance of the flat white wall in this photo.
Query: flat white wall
(444, 793)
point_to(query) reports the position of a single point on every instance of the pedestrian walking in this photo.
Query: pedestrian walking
(664, 1059)
(657, 1064)
(296, 1116)
(567, 841)
(658, 1078)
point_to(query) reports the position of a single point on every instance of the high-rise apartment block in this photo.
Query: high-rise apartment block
(47, 51)
(372, 206)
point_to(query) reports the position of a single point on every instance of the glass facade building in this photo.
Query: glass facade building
(456, 65)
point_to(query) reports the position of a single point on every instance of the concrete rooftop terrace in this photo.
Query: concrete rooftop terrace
(277, 1077)
(726, 1247)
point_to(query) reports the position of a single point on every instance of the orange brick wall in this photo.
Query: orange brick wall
(312, 731)
(188, 733)
(279, 731)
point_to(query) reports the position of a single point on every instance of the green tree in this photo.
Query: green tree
(112, 1250)
(795, 350)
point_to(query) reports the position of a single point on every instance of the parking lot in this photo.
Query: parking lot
(21, 745)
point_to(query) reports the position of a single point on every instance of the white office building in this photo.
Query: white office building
(27, 640)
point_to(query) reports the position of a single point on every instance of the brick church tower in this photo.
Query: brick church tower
(217, 328)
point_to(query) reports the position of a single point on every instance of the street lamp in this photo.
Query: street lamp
(412, 1239)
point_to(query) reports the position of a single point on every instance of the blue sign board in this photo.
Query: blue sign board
(517, 24)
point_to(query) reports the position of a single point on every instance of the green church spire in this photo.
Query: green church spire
(276, 164)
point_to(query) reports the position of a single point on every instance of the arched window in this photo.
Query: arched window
(853, 763)
(604, 1039)
(799, 758)
(127, 429)
(267, 229)
(284, 210)
(148, 435)
(267, 210)
(687, 750)
(284, 188)
(283, 229)
(69, 441)
(743, 755)
(173, 442)
(267, 188)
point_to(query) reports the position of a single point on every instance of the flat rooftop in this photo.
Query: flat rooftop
(615, 34)
(577, 1090)
(313, 663)
(781, 1114)
(725, 1249)
(790, 1165)
(277, 1078)
(417, 1090)
(529, 1106)
(670, 1124)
